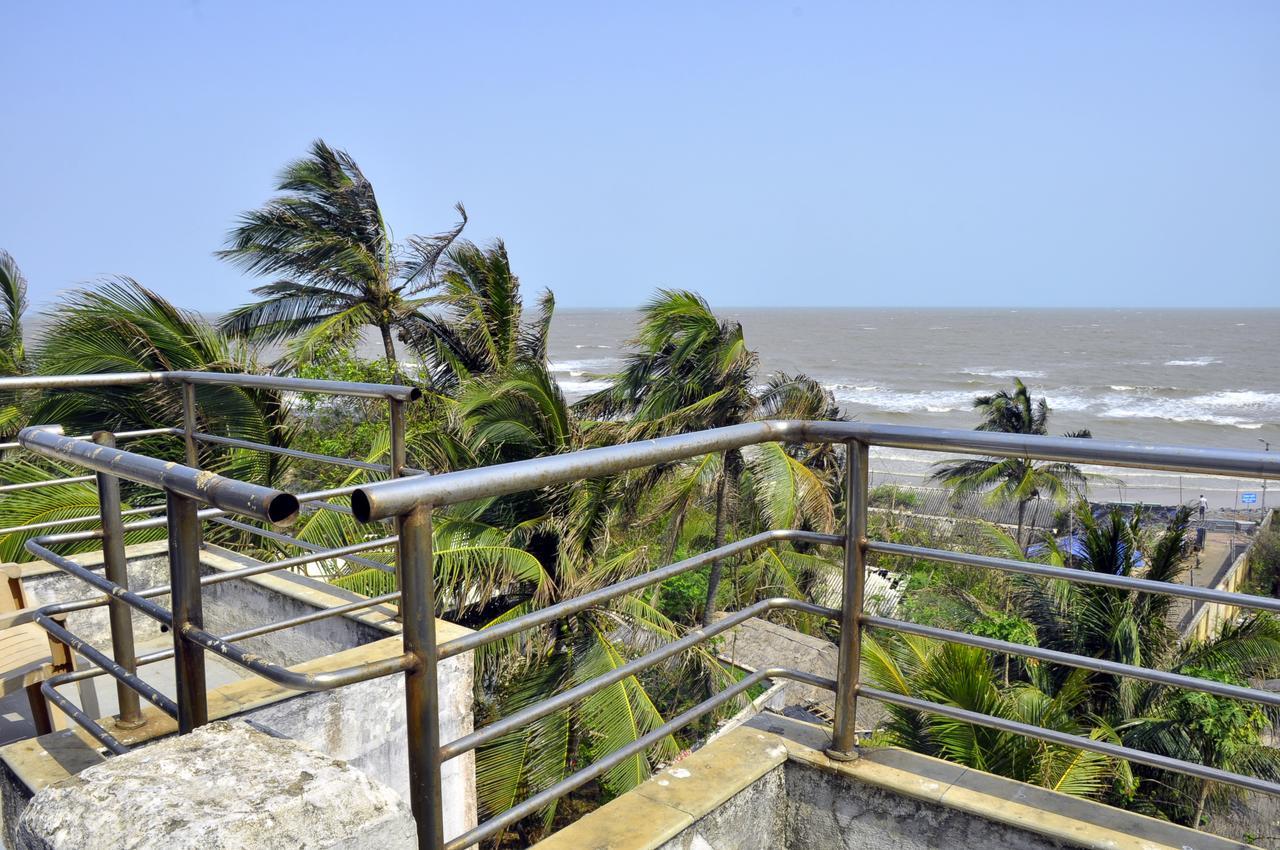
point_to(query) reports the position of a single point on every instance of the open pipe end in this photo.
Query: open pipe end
(283, 509)
(415, 394)
(361, 506)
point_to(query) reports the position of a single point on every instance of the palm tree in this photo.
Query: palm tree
(690, 370)
(13, 357)
(1019, 480)
(1135, 628)
(964, 677)
(1107, 623)
(499, 558)
(13, 303)
(339, 269)
(480, 328)
(121, 326)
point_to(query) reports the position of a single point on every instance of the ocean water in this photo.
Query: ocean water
(1189, 377)
(1180, 377)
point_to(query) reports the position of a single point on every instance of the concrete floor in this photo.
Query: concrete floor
(100, 693)
(1220, 551)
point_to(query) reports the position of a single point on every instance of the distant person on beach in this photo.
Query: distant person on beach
(1204, 503)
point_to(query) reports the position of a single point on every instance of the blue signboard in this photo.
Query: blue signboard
(1248, 498)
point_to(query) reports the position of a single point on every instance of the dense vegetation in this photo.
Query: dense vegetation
(458, 311)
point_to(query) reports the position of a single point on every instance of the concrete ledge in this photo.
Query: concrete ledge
(223, 786)
(685, 804)
(43, 761)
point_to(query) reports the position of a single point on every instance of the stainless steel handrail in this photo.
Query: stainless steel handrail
(241, 497)
(399, 392)
(186, 486)
(390, 498)
(410, 501)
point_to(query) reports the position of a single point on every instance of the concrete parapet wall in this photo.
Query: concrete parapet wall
(363, 724)
(225, 786)
(768, 785)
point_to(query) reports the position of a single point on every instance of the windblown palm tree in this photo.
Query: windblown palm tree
(339, 271)
(120, 326)
(1135, 628)
(690, 370)
(479, 329)
(13, 303)
(498, 558)
(1018, 480)
(965, 677)
(1107, 623)
(13, 357)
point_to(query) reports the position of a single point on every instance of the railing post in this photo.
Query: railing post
(422, 701)
(189, 423)
(844, 734)
(398, 451)
(116, 569)
(395, 422)
(184, 579)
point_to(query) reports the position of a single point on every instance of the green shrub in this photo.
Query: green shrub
(682, 597)
(1264, 563)
(891, 496)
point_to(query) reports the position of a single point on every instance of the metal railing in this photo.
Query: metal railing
(186, 488)
(410, 500)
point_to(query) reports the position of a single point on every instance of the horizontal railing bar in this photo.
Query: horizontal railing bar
(401, 495)
(75, 382)
(578, 779)
(292, 679)
(398, 496)
(232, 637)
(230, 575)
(102, 583)
(1249, 464)
(542, 708)
(1079, 742)
(48, 689)
(119, 435)
(238, 497)
(303, 544)
(287, 452)
(108, 665)
(158, 522)
(311, 617)
(49, 482)
(1098, 665)
(1238, 600)
(475, 640)
(354, 389)
(225, 379)
(54, 523)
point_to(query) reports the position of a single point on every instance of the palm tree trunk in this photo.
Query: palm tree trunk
(1022, 513)
(389, 346)
(1204, 797)
(722, 510)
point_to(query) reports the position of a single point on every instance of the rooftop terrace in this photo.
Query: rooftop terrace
(196, 595)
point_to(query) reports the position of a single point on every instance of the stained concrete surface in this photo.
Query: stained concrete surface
(364, 724)
(226, 786)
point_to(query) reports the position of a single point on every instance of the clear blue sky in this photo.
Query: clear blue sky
(1003, 153)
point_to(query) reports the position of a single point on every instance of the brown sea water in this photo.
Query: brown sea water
(1181, 377)
(1190, 377)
